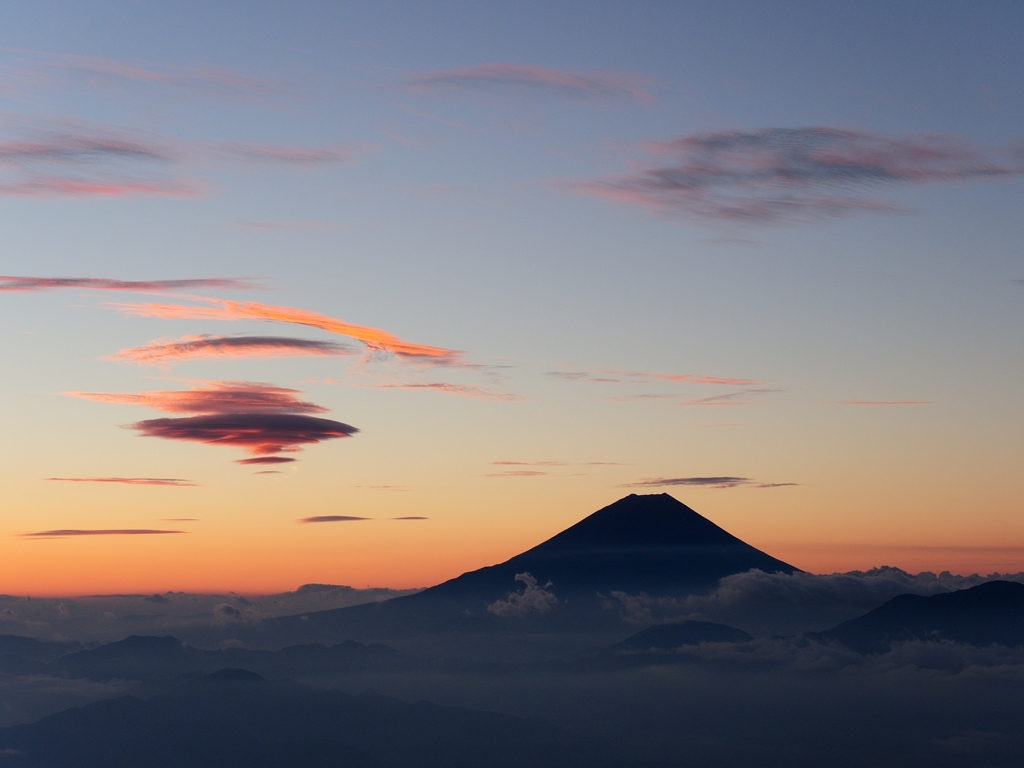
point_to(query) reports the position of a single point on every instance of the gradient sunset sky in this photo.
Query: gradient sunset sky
(377, 293)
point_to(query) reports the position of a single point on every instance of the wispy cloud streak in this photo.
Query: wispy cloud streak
(533, 79)
(41, 68)
(611, 376)
(785, 175)
(169, 481)
(885, 402)
(68, 532)
(258, 418)
(22, 284)
(221, 309)
(463, 390)
(165, 352)
(703, 482)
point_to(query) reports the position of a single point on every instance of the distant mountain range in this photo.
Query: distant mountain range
(235, 719)
(990, 613)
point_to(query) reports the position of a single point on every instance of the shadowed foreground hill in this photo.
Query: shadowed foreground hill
(988, 614)
(236, 719)
(652, 544)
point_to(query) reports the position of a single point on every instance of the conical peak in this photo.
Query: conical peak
(654, 520)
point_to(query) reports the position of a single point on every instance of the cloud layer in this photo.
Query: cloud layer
(258, 418)
(165, 352)
(533, 79)
(781, 175)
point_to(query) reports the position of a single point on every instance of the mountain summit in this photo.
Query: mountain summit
(652, 544)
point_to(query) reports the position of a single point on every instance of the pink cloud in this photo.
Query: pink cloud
(703, 482)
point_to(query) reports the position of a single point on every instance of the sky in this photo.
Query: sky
(377, 293)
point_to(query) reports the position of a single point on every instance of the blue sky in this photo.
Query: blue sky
(549, 191)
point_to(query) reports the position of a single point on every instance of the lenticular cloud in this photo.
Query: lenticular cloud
(259, 418)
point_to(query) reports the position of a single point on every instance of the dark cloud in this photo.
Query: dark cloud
(266, 460)
(171, 481)
(783, 175)
(532, 79)
(703, 482)
(13, 283)
(260, 433)
(410, 517)
(56, 534)
(331, 519)
(191, 347)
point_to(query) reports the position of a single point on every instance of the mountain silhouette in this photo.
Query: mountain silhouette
(990, 613)
(652, 544)
(235, 719)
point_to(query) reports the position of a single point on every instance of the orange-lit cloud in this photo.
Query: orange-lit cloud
(258, 418)
(17, 283)
(528, 78)
(220, 309)
(165, 352)
(213, 397)
(171, 481)
(331, 519)
(703, 482)
(65, 532)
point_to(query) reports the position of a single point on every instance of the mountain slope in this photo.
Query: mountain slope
(990, 613)
(236, 718)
